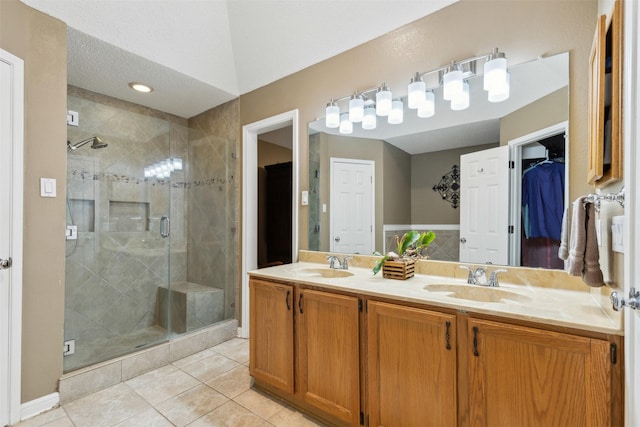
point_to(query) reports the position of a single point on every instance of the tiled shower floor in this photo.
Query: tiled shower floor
(99, 351)
(210, 388)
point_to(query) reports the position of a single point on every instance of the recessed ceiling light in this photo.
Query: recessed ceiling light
(140, 87)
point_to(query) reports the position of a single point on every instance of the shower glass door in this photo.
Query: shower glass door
(119, 227)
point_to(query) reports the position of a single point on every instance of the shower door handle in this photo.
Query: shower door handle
(165, 226)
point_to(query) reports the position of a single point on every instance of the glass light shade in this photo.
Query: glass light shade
(332, 116)
(495, 74)
(452, 84)
(428, 107)
(396, 116)
(369, 121)
(461, 101)
(501, 92)
(383, 101)
(158, 169)
(416, 93)
(177, 163)
(346, 126)
(148, 173)
(356, 109)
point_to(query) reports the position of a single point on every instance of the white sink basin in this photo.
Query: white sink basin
(331, 273)
(477, 293)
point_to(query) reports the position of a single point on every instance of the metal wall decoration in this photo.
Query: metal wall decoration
(449, 187)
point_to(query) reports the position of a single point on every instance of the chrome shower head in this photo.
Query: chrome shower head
(96, 142)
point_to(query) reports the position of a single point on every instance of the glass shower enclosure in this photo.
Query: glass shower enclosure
(150, 250)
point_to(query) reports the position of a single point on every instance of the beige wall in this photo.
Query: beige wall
(271, 154)
(427, 169)
(522, 29)
(42, 43)
(395, 187)
(545, 112)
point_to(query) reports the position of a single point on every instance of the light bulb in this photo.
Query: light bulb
(369, 120)
(396, 116)
(356, 108)
(332, 115)
(428, 107)
(383, 101)
(416, 92)
(346, 126)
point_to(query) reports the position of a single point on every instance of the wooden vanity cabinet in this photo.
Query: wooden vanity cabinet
(318, 367)
(531, 377)
(271, 341)
(328, 336)
(411, 367)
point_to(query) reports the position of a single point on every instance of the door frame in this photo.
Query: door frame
(249, 261)
(332, 201)
(515, 178)
(15, 273)
(631, 134)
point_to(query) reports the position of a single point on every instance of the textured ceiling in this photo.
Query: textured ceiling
(200, 53)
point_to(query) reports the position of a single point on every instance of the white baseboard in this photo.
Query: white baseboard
(39, 405)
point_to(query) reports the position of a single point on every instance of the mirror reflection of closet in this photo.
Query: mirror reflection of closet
(539, 178)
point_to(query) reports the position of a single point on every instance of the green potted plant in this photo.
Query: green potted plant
(400, 264)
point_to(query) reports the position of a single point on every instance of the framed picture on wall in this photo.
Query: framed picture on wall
(605, 100)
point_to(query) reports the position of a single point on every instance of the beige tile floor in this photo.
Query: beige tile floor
(210, 388)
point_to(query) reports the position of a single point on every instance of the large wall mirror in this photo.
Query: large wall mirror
(406, 161)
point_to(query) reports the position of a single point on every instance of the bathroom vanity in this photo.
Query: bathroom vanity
(355, 349)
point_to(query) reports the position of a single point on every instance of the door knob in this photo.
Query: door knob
(337, 239)
(618, 301)
(463, 240)
(5, 263)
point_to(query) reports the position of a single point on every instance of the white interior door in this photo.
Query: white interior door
(484, 206)
(352, 206)
(11, 186)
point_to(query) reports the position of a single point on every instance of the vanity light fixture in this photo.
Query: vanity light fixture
(332, 115)
(383, 100)
(455, 79)
(416, 92)
(140, 87)
(460, 100)
(369, 120)
(396, 116)
(356, 108)
(346, 125)
(428, 107)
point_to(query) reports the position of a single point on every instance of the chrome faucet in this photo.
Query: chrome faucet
(335, 263)
(479, 276)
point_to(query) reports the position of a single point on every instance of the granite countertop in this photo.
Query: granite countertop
(558, 307)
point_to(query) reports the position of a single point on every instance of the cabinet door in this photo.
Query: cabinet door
(271, 340)
(522, 376)
(411, 366)
(328, 353)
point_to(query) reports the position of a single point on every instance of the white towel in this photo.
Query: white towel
(584, 258)
(563, 250)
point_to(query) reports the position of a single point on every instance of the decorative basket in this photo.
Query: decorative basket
(400, 270)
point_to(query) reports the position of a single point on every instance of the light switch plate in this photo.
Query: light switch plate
(305, 198)
(47, 187)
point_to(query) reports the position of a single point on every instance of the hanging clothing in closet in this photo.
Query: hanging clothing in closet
(542, 209)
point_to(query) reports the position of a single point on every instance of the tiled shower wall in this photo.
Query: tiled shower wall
(213, 217)
(114, 269)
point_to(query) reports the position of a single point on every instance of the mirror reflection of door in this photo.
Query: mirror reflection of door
(352, 206)
(275, 178)
(484, 206)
